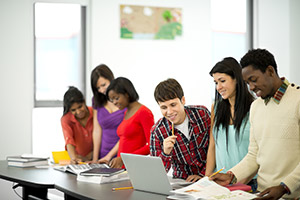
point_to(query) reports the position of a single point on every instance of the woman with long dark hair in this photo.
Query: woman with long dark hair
(107, 117)
(77, 126)
(230, 127)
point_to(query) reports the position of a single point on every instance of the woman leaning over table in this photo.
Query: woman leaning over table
(230, 127)
(134, 131)
(107, 117)
(77, 126)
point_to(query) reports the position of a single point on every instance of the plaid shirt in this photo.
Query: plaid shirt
(188, 156)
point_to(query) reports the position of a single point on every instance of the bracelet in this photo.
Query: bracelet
(233, 179)
(285, 187)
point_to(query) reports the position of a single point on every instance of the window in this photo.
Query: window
(59, 32)
(59, 51)
(231, 23)
(231, 28)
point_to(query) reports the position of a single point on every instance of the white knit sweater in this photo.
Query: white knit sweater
(274, 148)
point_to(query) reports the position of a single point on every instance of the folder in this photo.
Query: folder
(60, 157)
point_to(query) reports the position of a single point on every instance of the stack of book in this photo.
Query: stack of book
(26, 161)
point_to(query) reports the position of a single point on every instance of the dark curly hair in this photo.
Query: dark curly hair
(259, 59)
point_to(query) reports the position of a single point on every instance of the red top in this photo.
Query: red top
(77, 135)
(134, 132)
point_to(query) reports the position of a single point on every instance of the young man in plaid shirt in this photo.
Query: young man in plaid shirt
(185, 150)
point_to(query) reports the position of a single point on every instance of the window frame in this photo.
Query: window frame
(83, 51)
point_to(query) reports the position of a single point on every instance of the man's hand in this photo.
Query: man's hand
(272, 193)
(169, 144)
(222, 179)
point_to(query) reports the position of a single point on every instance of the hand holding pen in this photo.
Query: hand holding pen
(217, 172)
(220, 178)
(169, 142)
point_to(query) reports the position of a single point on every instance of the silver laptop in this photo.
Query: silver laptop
(147, 173)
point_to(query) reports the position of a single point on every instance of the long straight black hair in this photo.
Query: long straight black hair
(243, 97)
(101, 70)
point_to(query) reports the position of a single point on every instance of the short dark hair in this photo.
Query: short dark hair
(100, 71)
(122, 85)
(259, 59)
(72, 95)
(167, 90)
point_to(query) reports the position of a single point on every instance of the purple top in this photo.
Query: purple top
(109, 123)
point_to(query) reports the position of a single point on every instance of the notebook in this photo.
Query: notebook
(101, 172)
(147, 173)
(60, 155)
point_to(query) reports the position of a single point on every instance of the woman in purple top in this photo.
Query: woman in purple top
(107, 117)
(109, 123)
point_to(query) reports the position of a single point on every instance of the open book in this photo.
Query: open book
(77, 169)
(206, 189)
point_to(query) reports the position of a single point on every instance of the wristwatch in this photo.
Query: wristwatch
(233, 178)
(286, 188)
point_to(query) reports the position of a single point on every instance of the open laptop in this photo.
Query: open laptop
(147, 173)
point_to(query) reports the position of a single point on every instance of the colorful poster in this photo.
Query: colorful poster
(145, 22)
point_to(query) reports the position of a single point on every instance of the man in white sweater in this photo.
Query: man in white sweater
(274, 149)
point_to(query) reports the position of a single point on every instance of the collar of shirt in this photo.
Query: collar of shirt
(188, 114)
(184, 127)
(279, 93)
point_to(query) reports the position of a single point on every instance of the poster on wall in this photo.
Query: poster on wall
(145, 22)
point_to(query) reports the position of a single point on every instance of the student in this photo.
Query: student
(77, 126)
(230, 127)
(107, 117)
(274, 135)
(134, 130)
(186, 149)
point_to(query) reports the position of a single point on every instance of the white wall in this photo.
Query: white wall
(16, 76)
(277, 29)
(294, 40)
(16, 82)
(147, 62)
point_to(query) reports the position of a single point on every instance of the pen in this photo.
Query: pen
(217, 172)
(122, 188)
(172, 129)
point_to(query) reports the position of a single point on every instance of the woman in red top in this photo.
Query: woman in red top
(134, 130)
(77, 126)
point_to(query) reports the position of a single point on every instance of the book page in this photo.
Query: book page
(239, 195)
(203, 189)
(206, 189)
